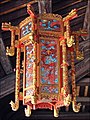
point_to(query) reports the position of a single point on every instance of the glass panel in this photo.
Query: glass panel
(26, 29)
(49, 66)
(30, 92)
(49, 89)
(29, 64)
(49, 25)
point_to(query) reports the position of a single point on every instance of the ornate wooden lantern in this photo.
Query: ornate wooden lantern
(45, 40)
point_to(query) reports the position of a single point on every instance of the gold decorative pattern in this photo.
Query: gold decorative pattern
(71, 15)
(79, 55)
(65, 89)
(30, 32)
(15, 105)
(7, 26)
(24, 22)
(50, 16)
(28, 111)
(67, 34)
(76, 107)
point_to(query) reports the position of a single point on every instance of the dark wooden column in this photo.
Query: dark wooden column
(87, 19)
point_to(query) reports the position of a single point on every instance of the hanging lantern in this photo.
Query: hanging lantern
(45, 40)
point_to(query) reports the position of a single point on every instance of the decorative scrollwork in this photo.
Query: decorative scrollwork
(79, 55)
(10, 51)
(71, 15)
(70, 41)
(13, 29)
(14, 106)
(56, 112)
(8, 26)
(33, 99)
(67, 100)
(28, 111)
(76, 107)
(52, 16)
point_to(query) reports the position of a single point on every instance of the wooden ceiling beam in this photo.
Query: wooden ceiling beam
(86, 90)
(13, 9)
(77, 22)
(4, 1)
(4, 59)
(7, 84)
(32, 2)
(17, 7)
(65, 6)
(84, 82)
(2, 72)
(79, 10)
(16, 19)
(12, 16)
(83, 7)
(84, 100)
(79, 6)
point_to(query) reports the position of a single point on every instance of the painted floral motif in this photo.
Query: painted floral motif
(53, 25)
(29, 64)
(48, 66)
(26, 29)
(30, 92)
(49, 89)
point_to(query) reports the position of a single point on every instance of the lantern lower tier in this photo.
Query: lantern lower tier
(43, 78)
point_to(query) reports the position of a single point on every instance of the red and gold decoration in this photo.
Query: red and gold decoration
(45, 40)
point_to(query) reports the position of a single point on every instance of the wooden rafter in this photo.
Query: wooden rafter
(18, 7)
(86, 24)
(4, 59)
